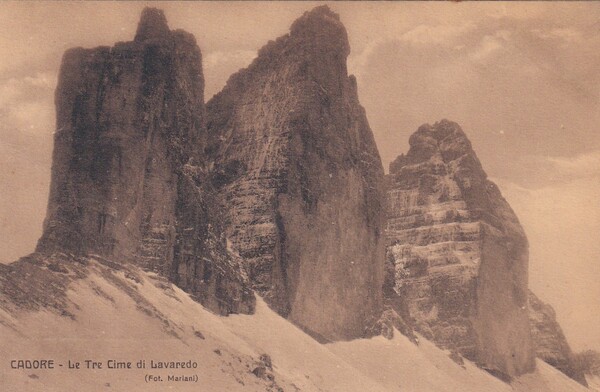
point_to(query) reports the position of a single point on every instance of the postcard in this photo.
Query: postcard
(299, 196)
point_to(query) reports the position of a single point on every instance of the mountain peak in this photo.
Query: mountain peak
(153, 24)
(322, 11)
(293, 117)
(321, 26)
(450, 230)
(168, 225)
(441, 130)
(445, 138)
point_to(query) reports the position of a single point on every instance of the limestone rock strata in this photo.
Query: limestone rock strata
(129, 119)
(550, 343)
(297, 168)
(456, 254)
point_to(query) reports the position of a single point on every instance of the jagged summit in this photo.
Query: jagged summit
(440, 131)
(316, 19)
(321, 11)
(317, 37)
(152, 25)
(321, 29)
(445, 138)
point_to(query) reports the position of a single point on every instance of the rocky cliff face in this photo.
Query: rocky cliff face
(296, 165)
(587, 362)
(549, 340)
(127, 173)
(457, 256)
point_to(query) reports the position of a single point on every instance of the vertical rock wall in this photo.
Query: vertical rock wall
(457, 253)
(297, 168)
(550, 343)
(129, 119)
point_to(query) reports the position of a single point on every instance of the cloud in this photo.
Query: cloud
(46, 80)
(33, 116)
(582, 165)
(218, 58)
(422, 37)
(567, 34)
(442, 34)
(489, 45)
(562, 221)
(358, 63)
(536, 172)
(26, 104)
(27, 114)
(26, 88)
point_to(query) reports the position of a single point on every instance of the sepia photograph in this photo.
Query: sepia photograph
(287, 196)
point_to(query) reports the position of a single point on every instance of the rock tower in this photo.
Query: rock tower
(297, 169)
(129, 171)
(457, 256)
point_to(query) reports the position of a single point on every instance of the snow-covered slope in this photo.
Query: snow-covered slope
(128, 315)
(593, 382)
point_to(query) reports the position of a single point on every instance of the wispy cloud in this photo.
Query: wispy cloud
(26, 104)
(437, 34)
(567, 34)
(489, 46)
(219, 58)
(24, 88)
(582, 165)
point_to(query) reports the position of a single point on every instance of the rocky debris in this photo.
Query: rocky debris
(550, 343)
(265, 359)
(298, 172)
(263, 369)
(199, 335)
(587, 362)
(42, 281)
(39, 282)
(457, 358)
(128, 159)
(391, 320)
(457, 255)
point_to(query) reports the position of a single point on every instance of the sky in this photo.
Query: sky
(522, 79)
